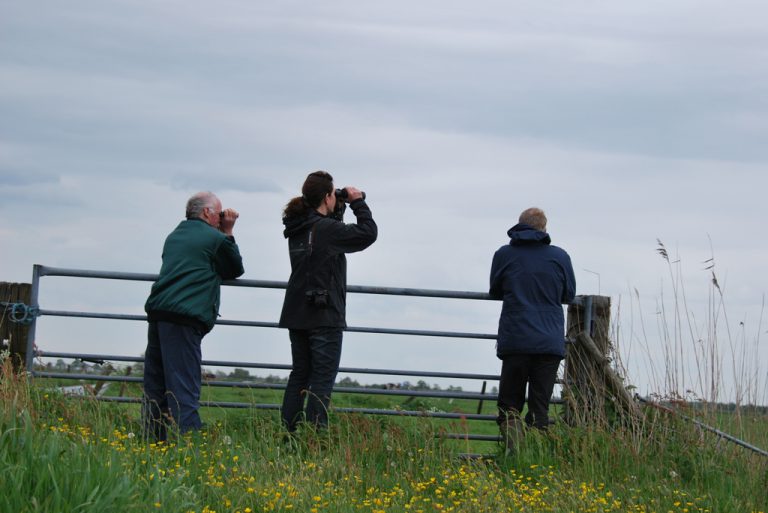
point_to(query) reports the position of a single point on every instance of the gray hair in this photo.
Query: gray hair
(199, 202)
(535, 218)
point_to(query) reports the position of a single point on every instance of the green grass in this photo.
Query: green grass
(65, 454)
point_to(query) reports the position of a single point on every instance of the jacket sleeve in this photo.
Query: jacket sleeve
(229, 263)
(352, 237)
(569, 288)
(496, 291)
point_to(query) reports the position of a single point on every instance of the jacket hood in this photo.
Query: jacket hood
(525, 234)
(294, 225)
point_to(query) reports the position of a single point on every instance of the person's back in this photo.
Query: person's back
(196, 258)
(534, 279)
(317, 247)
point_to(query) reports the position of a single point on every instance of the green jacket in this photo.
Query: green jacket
(196, 258)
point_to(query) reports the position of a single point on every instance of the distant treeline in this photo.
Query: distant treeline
(728, 407)
(244, 375)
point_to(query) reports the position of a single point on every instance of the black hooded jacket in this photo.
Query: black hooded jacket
(317, 288)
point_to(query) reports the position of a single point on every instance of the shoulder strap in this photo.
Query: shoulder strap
(311, 242)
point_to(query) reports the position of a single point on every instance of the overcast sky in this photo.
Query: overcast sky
(627, 122)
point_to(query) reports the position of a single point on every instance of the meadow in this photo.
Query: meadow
(62, 454)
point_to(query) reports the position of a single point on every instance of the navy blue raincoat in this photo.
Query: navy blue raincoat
(534, 279)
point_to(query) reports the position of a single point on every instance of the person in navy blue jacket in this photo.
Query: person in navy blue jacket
(534, 279)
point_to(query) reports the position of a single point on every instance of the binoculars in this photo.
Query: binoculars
(343, 195)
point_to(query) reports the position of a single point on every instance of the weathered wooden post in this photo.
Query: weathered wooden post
(584, 392)
(15, 332)
(592, 388)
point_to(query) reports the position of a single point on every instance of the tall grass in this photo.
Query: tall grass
(64, 454)
(693, 352)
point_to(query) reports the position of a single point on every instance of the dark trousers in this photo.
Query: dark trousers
(539, 372)
(316, 355)
(172, 378)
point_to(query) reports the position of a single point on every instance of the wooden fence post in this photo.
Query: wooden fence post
(594, 393)
(15, 333)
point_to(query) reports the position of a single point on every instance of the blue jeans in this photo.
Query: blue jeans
(539, 372)
(316, 355)
(172, 378)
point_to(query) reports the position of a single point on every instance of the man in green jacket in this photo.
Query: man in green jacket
(182, 308)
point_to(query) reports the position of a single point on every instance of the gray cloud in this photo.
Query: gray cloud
(10, 178)
(611, 85)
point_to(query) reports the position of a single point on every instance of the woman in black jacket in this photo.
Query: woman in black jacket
(314, 308)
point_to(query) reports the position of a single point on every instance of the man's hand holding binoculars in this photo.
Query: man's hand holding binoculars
(227, 219)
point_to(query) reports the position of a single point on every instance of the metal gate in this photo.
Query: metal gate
(40, 271)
